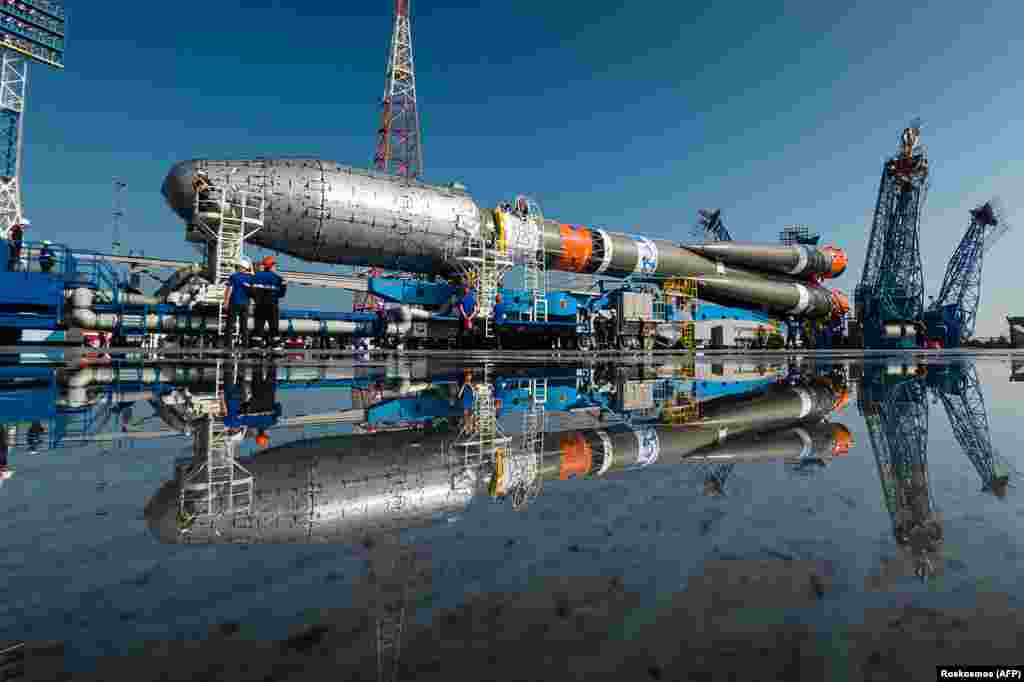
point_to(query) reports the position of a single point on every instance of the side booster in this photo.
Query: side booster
(324, 212)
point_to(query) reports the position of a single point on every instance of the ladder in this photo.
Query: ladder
(228, 216)
(483, 266)
(390, 624)
(488, 281)
(215, 483)
(481, 437)
(535, 274)
(527, 477)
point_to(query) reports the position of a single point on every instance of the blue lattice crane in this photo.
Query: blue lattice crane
(964, 402)
(895, 409)
(710, 226)
(30, 31)
(889, 301)
(951, 316)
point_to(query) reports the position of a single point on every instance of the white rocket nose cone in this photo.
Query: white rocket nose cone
(177, 189)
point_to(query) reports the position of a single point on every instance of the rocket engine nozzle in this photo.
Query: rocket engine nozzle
(839, 261)
(840, 304)
(842, 440)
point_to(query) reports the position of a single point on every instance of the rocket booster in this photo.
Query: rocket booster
(324, 212)
(798, 260)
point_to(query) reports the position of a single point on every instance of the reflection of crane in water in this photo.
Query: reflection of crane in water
(965, 407)
(895, 409)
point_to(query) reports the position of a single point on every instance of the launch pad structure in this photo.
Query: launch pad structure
(388, 220)
(32, 31)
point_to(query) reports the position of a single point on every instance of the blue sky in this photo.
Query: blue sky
(625, 116)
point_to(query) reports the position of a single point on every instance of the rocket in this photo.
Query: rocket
(324, 212)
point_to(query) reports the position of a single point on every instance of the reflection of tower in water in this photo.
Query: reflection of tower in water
(895, 408)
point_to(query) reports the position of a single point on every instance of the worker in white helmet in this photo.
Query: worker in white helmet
(202, 186)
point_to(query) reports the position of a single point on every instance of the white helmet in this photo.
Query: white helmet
(245, 263)
(25, 222)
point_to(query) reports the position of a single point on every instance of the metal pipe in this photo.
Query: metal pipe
(83, 297)
(83, 316)
(321, 211)
(190, 375)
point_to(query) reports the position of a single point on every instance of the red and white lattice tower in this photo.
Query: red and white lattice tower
(398, 138)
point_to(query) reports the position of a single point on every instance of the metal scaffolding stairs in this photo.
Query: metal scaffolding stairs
(481, 436)
(483, 267)
(215, 484)
(530, 457)
(228, 217)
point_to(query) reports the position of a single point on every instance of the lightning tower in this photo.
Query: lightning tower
(31, 30)
(398, 138)
(116, 215)
(890, 296)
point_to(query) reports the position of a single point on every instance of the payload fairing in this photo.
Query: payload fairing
(324, 212)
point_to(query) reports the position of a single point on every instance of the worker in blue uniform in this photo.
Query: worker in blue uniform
(792, 329)
(47, 258)
(466, 310)
(268, 288)
(15, 235)
(257, 411)
(236, 299)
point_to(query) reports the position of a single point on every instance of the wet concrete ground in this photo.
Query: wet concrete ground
(789, 575)
(735, 621)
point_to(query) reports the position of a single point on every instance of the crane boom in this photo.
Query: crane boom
(965, 408)
(957, 302)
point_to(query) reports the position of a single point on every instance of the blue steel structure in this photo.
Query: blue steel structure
(30, 30)
(951, 316)
(890, 296)
(35, 29)
(32, 299)
(31, 394)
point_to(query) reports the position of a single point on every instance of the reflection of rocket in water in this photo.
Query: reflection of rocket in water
(341, 488)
